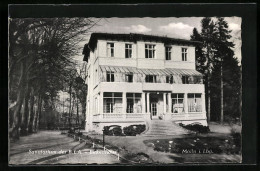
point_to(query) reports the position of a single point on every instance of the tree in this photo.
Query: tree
(200, 59)
(207, 37)
(223, 51)
(222, 73)
(40, 52)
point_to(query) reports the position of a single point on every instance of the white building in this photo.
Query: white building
(135, 78)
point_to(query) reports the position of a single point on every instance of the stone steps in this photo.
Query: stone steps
(164, 128)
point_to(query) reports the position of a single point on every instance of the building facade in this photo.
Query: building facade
(136, 78)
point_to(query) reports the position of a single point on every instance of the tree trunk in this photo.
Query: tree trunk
(221, 96)
(70, 107)
(25, 112)
(35, 114)
(14, 130)
(208, 99)
(31, 112)
(38, 113)
(77, 112)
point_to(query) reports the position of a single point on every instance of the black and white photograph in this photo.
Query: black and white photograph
(128, 91)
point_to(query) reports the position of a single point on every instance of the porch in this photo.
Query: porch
(124, 107)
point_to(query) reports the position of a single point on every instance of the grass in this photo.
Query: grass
(198, 144)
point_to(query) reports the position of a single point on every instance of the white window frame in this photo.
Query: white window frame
(177, 99)
(184, 53)
(134, 107)
(170, 79)
(154, 78)
(110, 49)
(109, 75)
(128, 50)
(112, 103)
(127, 76)
(168, 53)
(194, 97)
(148, 48)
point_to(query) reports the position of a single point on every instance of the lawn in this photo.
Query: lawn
(196, 144)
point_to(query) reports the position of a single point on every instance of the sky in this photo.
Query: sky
(171, 27)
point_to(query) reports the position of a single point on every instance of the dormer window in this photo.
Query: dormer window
(184, 54)
(149, 51)
(168, 53)
(110, 49)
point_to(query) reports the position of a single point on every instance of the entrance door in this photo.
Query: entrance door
(154, 109)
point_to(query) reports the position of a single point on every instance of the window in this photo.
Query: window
(185, 79)
(169, 79)
(129, 77)
(150, 78)
(128, 51)
(133, 103)
(184, 54)
(168, 53)
(110, 77)
(177, 103)
(112, 102)
(194, 103)
(110, 49)
(149, 51)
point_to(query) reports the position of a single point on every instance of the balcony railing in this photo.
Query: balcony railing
(120, 117)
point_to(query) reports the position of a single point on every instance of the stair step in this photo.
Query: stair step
(164, 128)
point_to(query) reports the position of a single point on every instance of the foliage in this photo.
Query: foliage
(40, 62)
(196, 127)
(114, 130)
(133, 130)
(222, 74)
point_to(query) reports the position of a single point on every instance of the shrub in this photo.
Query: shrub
(197, 127)
(113, 130)
(71, 131)
(133, 130)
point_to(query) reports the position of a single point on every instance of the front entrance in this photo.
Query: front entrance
(154, 109)
(155, 105)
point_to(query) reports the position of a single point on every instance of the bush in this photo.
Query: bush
(113, 130)
(196, 127)
(71, 131)
(133, 130)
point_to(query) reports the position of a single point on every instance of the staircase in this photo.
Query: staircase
(164, 128)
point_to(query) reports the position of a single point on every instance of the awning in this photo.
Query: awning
(167, 71)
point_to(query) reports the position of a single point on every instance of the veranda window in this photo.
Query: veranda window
(110, 76)
(112, 102)
(133, 103)
(185, 79)
(169, 79)
(150, 78)
(194, 103)
(129, 77)
(177, 103)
